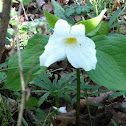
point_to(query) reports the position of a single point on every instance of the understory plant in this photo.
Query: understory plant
(57, 89)
(5, 114)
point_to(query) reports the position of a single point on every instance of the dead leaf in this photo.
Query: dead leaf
(119, 118)
(77, 18)
(40, 3)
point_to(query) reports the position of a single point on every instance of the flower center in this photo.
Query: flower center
(71, 40)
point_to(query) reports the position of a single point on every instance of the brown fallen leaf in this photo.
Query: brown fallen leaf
(40, 3)
(99, 99)
(119, 118)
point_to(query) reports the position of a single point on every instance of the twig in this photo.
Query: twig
(5, 16)
(21, 69)
(24, 12)
(34, 59)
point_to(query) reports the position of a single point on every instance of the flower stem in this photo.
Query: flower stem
(78, 98)
(88, 107)
(57, 103)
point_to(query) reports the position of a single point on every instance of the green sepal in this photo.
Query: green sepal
(51, 19)
(91, 24)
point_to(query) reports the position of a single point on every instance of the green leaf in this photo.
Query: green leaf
(117, 94)
(101, 29)
(40, 114)
(69, 11)
(7, 41)
(30, 60)
(96, 104)
(58, 10)
(32, 103)
(43, 98)
(114, 16)
(3, 65)
(111, 66)
(3, 76)
(24, 122)
(51, 19)
(114, 123)
(117, 24)
(26, 2)
(91, 24)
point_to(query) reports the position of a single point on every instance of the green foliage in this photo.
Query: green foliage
(91, 24)
(117, 94)
(31, 26)
(57, 88)
(33, 102)
(58, 10)
(111, 67)
(94, 89)
(115, 15)
(114, 123)
(117, 24)
(13, 16)
(101, 29)
(43, 98)
(3, 75)
(30, 60)
(76, 9)
(5, 115)
(51, 19)
(26, 2)
(24, 122)
(40, 114)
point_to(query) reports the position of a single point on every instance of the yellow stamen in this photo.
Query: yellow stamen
(71, 40)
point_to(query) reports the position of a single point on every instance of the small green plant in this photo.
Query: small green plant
(5, 115)
(57, 88)
(114, 123)
(94, 90)
(77, 8)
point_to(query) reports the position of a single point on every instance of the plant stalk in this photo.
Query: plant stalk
(78, 98)
(118, 28)
(57, 103)
(87, 103)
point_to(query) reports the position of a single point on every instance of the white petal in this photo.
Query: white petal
(62, 28)
(77, 30)
(82, 55)
(61, 109)
(86, 41)
(54, 51)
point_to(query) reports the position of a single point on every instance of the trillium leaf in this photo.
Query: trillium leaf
(101, 29)
(91, 24)
(51, 19)
(30, 56)
(111, 67)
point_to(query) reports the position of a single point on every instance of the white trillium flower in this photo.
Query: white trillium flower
(70, 42)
